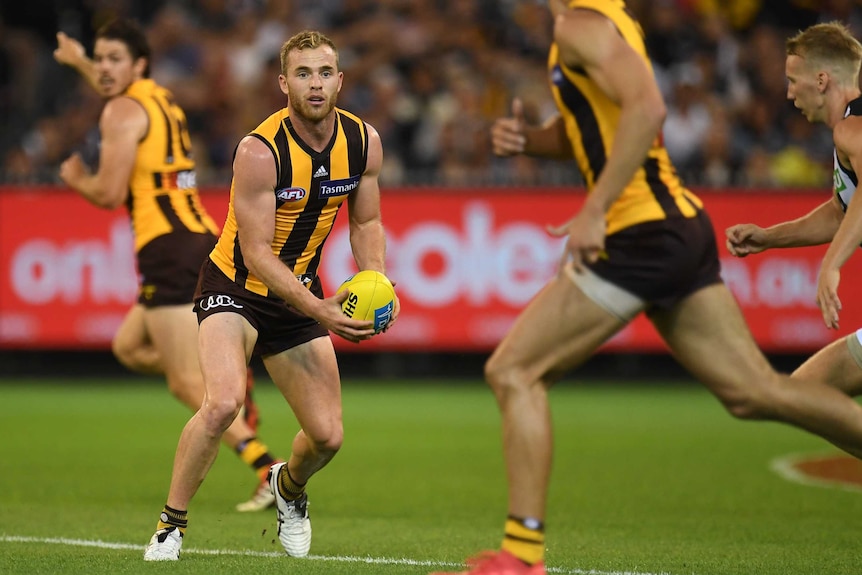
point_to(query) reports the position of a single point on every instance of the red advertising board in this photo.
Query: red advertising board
(465, 262)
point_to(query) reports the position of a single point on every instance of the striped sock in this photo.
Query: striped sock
(256, 455)
(287, 487)
(525, 539)
(171, 517)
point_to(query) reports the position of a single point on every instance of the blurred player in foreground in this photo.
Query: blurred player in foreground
(641, 242)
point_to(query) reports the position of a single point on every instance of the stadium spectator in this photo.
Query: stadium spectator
(214, 56)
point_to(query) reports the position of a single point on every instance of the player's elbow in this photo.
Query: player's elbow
(655, 113)
(109, 199)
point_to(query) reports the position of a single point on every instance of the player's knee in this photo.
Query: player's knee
(750, 402)
(327, 440)
(123, 353)
(219, 413)
(503, 377)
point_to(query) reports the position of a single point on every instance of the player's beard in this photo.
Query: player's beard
(314, 113)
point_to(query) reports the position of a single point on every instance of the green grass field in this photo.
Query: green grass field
(648, 479)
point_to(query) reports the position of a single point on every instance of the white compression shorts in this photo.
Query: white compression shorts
(613, 299)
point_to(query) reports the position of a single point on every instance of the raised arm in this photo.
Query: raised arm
(70, 52)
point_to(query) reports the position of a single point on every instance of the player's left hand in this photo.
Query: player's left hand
(827, 296)
(586, 238)
(69, 51)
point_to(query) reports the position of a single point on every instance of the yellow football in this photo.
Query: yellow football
(372, 298)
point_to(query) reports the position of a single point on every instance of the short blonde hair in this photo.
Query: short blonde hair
(829, 46)
(307, 39)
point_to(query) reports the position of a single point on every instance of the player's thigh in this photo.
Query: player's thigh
(708, 336)
(132, 332)
(307, 375)
(559, 329)
(835, 365)
(174, 332)
(226, 342)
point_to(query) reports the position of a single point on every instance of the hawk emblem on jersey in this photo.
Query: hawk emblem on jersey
(290, 194)
(338, 187)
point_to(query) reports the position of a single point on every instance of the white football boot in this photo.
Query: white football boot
(294, 526)
(164, 545)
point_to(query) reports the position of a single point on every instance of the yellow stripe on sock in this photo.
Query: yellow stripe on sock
(254, 449)
(526, 544)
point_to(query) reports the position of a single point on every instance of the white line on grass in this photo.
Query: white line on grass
(785, 466)
(249, 553)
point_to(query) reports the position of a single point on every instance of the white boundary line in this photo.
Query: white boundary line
(785, 467)
(249, 553)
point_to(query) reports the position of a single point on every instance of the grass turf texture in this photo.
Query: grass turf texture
(648, 479)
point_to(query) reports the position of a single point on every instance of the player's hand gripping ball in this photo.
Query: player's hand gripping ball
(372, 298)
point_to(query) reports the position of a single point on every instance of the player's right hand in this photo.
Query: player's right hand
(69, 51)
(332, 317)
(507, 134)
(745, 239)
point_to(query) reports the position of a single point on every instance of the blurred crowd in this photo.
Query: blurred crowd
(430, 75)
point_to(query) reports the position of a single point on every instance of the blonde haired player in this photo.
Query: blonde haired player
(822, 69)
(259, 292)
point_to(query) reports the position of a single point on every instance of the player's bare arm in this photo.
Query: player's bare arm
(815, 228)
(70, 52)
(122, 125)
(848, 146)
(590, 41)
(367, 239)
(512, 136)
(847, 136)
(254, 208)
(367, 236)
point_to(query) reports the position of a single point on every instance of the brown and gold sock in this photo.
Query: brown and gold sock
(287, 487)
(256, 455)
(525, 539)
(171, 517)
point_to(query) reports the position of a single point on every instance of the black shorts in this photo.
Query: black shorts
(279, 326)
(662, 262)
(169, 266)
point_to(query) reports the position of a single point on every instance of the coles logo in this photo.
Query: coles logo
(290, 194)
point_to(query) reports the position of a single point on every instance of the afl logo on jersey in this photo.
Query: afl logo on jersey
(338, 187)
(290, 194)
(557, 78)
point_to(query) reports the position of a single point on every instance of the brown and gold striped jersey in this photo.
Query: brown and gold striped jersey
(163, 195)
(591, 118)
(310, 188)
